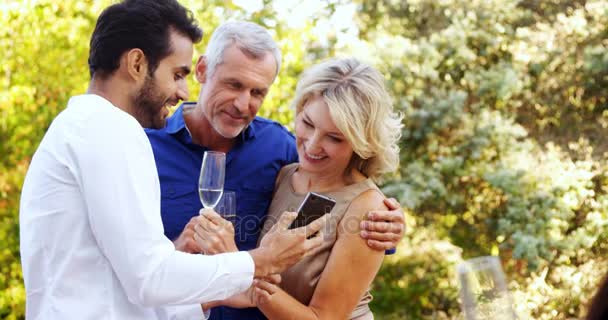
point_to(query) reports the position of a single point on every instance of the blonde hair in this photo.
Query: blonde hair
(361, 109)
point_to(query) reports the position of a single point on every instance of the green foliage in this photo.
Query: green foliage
(503, 150)
(44, 63)
(504, 107)
(419, 280)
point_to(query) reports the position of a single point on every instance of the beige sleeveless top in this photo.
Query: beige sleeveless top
(301, 280)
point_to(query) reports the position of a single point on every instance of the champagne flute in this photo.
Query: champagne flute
(227, 206)
(483, 290)
(211, 181)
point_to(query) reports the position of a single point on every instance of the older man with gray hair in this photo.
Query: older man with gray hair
(236, 72)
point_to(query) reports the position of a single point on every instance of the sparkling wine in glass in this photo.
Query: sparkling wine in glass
(227, 206)
(211, 181)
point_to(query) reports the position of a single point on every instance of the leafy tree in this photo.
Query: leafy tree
(503, 148)
(496, 95)
(44, 63)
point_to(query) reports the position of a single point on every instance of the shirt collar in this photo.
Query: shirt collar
(249, 132)
(176, 123)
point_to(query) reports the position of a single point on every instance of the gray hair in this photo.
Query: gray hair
(250, 38)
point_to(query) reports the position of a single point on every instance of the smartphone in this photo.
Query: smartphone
(312, 208)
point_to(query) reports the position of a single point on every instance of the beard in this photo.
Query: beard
(149, 105)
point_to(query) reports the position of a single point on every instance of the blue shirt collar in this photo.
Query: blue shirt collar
(176, 124)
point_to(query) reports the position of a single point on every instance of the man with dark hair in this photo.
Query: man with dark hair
(146, 25)
(91, 235)
(137, 24)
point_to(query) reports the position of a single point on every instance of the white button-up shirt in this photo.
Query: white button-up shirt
(92, 242)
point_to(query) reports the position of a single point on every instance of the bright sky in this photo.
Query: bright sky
(298, 12)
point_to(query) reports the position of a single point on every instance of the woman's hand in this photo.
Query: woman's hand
(264, 289)
(248, 298)
(241, 300)
(214, 234)
(245, 299)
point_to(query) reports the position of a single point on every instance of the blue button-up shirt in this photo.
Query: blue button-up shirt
(252, 166)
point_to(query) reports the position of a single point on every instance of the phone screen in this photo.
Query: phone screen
(312, 208)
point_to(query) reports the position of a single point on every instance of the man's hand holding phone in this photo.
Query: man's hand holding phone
(281, 247)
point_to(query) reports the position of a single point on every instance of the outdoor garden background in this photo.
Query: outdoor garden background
(504, 149)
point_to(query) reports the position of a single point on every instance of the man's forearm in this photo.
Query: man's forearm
(261, 261)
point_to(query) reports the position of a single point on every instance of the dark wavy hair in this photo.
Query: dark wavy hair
(598, 309)
(143, 24)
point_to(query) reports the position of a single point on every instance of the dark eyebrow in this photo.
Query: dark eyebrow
(184, 69)
(262, 91)
(231, 80)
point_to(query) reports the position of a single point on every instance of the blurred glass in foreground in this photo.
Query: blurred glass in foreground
(483, 290)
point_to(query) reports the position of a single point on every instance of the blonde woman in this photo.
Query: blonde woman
(346, 137)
